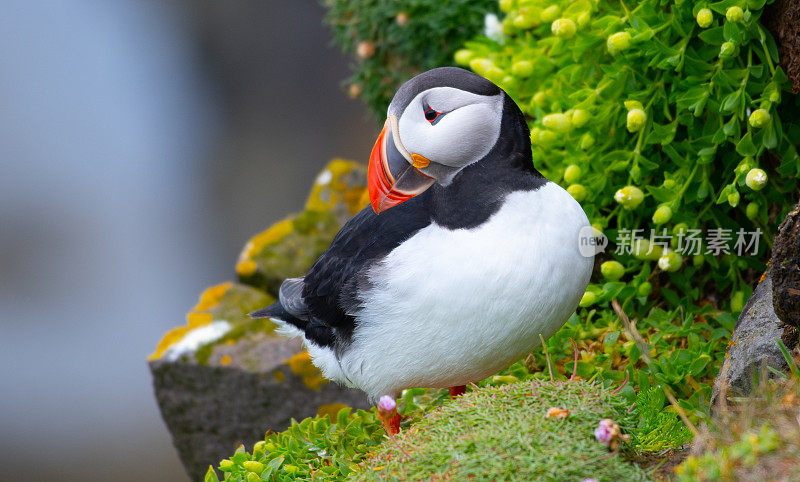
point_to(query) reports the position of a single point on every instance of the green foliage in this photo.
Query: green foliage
(658, 428)
(402, 37)
(316, 448)
(656, 126)
(666, 116)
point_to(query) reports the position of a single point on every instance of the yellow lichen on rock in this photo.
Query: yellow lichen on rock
(212, 296)
(271, 235)
(246, 267)
(289, 247)
(172, 337)
(226, 301)
(340, 181)
(301, 365)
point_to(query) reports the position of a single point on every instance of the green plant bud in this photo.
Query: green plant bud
(271, 447)
(225, 464)
(728, 49)
(588, 299)
(756, 179)
(645, 288)
(633, 104)
(563, 27)
(618, 42)
(523, 68)
(481, 66)
(587, 141)
(662, 215)
(526, 18)
(579, 117)
(744, 166)
(508, 82)
(669, 183)
(253, 466)
(629, 196)
(737, 301)
(463, 56)
(704, 18)
(752, 210)
(506, 5)
(577, 191)
(680, 228)
(584, 18)
(504, 379)
(259, 447)
(734, 14)
(733, 199)
(612, 270)
(572, 174)
(539, 98)
(557, 122)
(636, 120)
(495, 74)
(542, 137)
(670, 261)
(508, 25)
(759, 118)
(698, 260)
(550, 13)
(644, 250)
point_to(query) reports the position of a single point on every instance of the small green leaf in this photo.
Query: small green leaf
(745, 147)
(211, 475)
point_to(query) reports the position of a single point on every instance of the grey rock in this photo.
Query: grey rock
(212, 408)
(753, 347)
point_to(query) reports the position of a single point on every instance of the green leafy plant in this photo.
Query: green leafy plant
(672, 119)
(393, 41)
(313, 448)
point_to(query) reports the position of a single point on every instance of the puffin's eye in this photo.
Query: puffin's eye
(431, 115)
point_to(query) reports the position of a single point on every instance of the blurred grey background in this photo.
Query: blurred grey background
(141, 144)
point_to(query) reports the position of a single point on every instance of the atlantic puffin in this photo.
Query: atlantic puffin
(464, 257)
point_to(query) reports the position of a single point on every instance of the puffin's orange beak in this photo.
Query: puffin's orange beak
(391, 178)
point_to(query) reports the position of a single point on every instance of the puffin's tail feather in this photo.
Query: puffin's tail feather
(288, 325)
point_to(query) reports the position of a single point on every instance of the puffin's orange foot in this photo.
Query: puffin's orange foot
(387, 412)
(458, 391)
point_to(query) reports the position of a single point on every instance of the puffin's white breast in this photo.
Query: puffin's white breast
(448, 307)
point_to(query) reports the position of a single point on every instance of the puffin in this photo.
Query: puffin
(465, 258)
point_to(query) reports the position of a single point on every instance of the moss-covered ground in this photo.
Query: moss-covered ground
(504, 432)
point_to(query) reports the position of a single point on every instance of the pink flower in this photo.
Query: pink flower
(387, 405)
(606, 431)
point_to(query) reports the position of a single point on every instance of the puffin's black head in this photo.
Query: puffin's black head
(438, 123)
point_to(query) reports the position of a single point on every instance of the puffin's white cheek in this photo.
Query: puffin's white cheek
(462, 137)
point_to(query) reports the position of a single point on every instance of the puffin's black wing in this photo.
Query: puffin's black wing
(320, 303)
